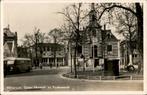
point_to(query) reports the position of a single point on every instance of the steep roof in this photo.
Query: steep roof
(8, 33)
(108, 36)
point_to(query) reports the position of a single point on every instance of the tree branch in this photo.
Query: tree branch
(117, 6)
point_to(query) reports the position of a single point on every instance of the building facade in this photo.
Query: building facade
(102, 47)
(49, 54)
(10, 43)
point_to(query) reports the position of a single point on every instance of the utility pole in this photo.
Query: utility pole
(36, 62)
(93, 53)
(36, 46)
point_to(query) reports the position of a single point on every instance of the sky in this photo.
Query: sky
(23, 17)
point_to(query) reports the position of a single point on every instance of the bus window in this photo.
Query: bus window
(10, 62)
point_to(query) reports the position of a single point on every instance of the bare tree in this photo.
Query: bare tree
(34, 39)
(137, 11)
(67, 29)
(73, 15)
(127, 26)
(57, 36)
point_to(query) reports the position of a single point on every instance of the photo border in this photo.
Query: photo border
(75, 92)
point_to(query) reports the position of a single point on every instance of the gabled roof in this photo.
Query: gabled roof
(108, 36)
(8, 33)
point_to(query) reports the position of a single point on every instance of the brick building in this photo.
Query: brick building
(102, 47)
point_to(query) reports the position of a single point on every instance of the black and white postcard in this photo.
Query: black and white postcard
(81, 47)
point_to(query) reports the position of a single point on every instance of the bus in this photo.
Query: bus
(16, 65)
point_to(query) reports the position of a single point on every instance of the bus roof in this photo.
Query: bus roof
(15, 58)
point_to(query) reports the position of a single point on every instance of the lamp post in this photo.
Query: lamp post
(36, 63)
(93, 53)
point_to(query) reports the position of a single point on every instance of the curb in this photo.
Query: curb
(87, 80)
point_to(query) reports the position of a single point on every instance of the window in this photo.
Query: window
(134, 55)
(44, 48)
(109, 48)
(93, 17)
(48, 48)
(10, 62)
(79, 49)
(94, 51)
(10, 44)
(44, 53)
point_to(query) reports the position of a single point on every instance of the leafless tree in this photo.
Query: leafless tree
(67, 29)
(127, 23)
(134, 10)
(34, 39)
(57, 36)
(137, 11)
(74, 15)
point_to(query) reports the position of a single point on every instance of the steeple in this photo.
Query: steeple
(93, 17)
(92, 6)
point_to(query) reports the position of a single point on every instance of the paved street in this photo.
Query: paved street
(51, 80)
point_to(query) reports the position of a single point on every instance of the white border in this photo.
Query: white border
(72, 1)
(74, 92)
(145, 47)
(1, 50)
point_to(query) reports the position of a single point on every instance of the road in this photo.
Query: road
(51, 80)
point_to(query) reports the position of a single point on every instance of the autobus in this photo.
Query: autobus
(16, 65)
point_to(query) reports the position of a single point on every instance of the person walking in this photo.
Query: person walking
(40, 65)
(83, 61)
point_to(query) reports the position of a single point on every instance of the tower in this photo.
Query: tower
(95, 32)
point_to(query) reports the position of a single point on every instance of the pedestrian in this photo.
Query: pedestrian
(35, 62)
(83, 61)
(40, 65)
(50, 65)
(139, 67)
